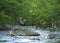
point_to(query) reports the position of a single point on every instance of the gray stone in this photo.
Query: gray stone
(3, 40)
(52, 36)
(35, 39)
(23, 32)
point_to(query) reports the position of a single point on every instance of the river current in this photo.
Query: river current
(5, 38)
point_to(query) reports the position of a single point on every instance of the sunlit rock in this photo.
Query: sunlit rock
(23, 32)
(16, 32)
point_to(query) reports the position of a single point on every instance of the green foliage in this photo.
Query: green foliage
(9, 11)
(4, 19)
(41, 11)
(36, 12)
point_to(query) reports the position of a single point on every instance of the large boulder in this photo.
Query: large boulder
(16, 32)
(23, 32)
(52, 36)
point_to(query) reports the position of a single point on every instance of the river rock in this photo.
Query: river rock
(52, 36)
(3, 40)
(35, 39)
(16, 33)
(23, 32)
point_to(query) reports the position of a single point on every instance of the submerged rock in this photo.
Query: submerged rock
(35, 39)
(23, 32)
(3, 40)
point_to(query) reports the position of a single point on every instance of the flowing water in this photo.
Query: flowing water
(5, 38)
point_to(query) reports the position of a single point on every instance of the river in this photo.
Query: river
(5, 38)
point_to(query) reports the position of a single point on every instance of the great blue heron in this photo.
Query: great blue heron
(22, 21)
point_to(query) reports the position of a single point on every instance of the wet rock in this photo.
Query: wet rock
(23, 32)
(35, 39)
(52, 36)
(3, 40)
(32, 33)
